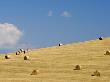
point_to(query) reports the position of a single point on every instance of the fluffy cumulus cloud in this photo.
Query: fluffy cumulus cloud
(9, 35)
(66, 14)
(50, 13)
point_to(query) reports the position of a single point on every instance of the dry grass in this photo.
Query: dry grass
(56, 63)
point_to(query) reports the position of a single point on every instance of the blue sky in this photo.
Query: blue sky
(46, 23)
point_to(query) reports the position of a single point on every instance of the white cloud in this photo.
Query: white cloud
(9, 35)
(65, 14)
(50, 13)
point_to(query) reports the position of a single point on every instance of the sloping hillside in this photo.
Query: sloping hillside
(56, 63)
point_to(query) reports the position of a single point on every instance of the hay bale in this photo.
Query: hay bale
(100, 38)
(26, 57)
(18, 53)
(21, 50)
(7, 57)
(60, 44)
(24, 51)
(96, 73)
(107, 53)
(34, 72)
(77, 67)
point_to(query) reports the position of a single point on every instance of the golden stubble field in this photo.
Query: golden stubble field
(56, 63)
